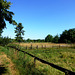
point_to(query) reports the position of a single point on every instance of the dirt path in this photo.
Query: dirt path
(6, 66)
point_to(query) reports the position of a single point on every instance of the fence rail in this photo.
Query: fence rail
(66, 71)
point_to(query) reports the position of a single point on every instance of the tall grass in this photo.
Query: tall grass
(64, 57)
(24, 65)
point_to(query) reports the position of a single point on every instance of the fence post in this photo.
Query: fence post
(45, 46)
(31, 46)
(37, 47)
(34, 62)
(42, 46)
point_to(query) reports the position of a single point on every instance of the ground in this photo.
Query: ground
(6, 66)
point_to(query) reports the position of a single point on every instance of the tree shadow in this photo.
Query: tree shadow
(2, 70)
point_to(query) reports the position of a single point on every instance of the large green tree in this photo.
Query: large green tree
(68, 36)
(19, 32)
(56, 39)
(5, 14)
(49, 38)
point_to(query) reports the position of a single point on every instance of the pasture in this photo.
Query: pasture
(43, 45)
(61, 56)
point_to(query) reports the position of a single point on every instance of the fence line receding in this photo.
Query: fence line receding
(66, 71)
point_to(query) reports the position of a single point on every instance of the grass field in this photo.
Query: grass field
(64, 57)
(43, 45)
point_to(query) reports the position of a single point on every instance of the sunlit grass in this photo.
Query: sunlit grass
(64, 57)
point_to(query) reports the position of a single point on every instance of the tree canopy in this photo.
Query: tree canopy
(68, 36)
(19, 32)
(5, 14)
(56, 39)
(49, 38)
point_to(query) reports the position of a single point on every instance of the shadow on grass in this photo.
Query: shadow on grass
(2, 70)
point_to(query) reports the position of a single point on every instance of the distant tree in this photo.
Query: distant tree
(64, 37)
(42, 40)
(38, 40)
(49, 38)
(5, 14)
(56, 39)
(68, 36)
(28, 40)
(19, 32)
(71, 35)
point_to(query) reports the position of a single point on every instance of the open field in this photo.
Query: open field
(44, 45)
(64, 57)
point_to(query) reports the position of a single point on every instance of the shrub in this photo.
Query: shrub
(5, 40)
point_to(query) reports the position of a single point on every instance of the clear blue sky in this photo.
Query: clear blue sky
(42, 17)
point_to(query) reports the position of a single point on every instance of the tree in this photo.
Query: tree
(19, 32)
(68, 36)
(28, 40)
(49, 38)
(55, 39)
(64, 37)
(71, 35)
(5, 15)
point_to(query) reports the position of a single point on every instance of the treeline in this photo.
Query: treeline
(67, 36)
(5, 40)
(37, 40)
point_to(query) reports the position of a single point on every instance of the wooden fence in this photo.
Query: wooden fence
(45, 46)
(66, 71)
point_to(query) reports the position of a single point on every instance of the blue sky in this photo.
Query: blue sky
(42, 17)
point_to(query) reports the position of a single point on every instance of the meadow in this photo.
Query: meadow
(61, 56)
(43, 45)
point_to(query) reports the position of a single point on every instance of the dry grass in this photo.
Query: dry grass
(7, 63)
(40, 45)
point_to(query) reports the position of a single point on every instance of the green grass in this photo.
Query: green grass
(64, 57)
(24, 65)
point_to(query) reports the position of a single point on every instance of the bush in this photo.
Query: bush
(5, 40)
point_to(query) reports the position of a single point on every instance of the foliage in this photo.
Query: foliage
(19, 32)
(56, 39)
(28, 40)
(5, 40)
(5, 14)
(37, 40)
(68, 36)
(49, 38)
